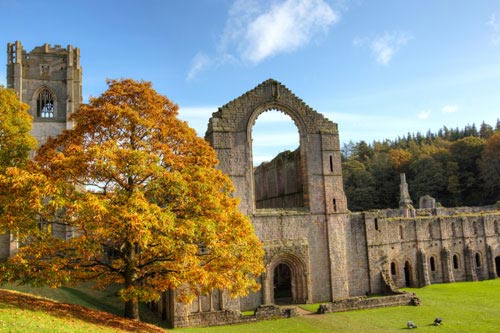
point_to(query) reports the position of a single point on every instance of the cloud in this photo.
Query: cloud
(495, 29)
(424, 114)
(199, 63)
(384, 47)
(450, 108)
(257, 30)
(197, 117)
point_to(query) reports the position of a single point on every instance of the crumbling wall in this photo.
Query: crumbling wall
(278, 183)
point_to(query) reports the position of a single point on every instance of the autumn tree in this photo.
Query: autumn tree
(141, 193)
(16, 141)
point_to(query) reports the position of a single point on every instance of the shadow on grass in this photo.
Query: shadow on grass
(94, 302)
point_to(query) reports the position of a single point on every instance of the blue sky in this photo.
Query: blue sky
(379, 69)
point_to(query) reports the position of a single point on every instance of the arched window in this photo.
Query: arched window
(478, 260)
(495, 224)
(474, 227)
(45, 104)
(393, 268)
(456, 262)
(431, 233)
(401, 232)
(432, 262)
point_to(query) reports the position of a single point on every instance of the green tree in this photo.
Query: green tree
(358, 186)
(466, 153)
(490, 166)
(141, 192)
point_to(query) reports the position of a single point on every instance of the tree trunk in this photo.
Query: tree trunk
(132, 309)
(131, 305)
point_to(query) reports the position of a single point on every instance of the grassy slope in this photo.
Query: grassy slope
(464, 307)
(21, 312)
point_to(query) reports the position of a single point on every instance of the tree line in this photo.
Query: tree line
(458, 167)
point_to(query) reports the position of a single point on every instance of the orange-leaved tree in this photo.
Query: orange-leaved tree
(147, 206)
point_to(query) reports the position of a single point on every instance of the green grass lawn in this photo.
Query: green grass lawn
(464, 307)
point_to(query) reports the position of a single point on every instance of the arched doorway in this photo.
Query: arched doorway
(497, 265)
(287, 281)
(282, 284)
(408, 274)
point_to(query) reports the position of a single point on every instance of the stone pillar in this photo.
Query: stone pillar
(447, 266)
(470, 269)
(422, 269)
(405, 202)
(490, 259)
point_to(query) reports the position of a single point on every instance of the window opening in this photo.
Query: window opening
(376, 223)
(478, 260)
(331, 163)
(45, 104)
(393, 268)
(455, 262)
(433, 264)
(401, 232)
(277, 162)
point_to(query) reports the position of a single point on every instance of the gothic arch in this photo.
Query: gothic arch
(36, 105)
(229, 133)
(298, 277)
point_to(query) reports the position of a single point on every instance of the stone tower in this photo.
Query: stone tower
(49, 80)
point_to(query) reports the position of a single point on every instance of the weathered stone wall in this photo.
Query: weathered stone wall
(459, 245)
(362, 302)
(278, 183)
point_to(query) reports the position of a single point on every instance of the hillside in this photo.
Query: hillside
(21, 312)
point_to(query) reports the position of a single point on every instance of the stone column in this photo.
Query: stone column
(423, 269)
(470, 269)
(490, 259)
(447, 266)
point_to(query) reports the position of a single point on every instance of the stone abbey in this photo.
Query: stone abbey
(316, 250)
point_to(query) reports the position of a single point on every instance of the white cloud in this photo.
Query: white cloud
(384, 47)
(285, 27)
(257, 30)
(199, 63)
(424, 114)
(450, 108)
(197, 117)
(495, 29)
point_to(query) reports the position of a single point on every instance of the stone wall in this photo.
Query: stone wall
(459, 245)
(278, 183)
(363, 302)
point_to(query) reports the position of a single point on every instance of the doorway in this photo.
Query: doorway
(408, 276)
(282, 283)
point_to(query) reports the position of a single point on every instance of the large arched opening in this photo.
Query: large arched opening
(278, 179)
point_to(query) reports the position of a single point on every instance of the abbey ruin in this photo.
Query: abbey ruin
(317, 251)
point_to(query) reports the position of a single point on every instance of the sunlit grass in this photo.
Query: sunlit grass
(464, 307)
